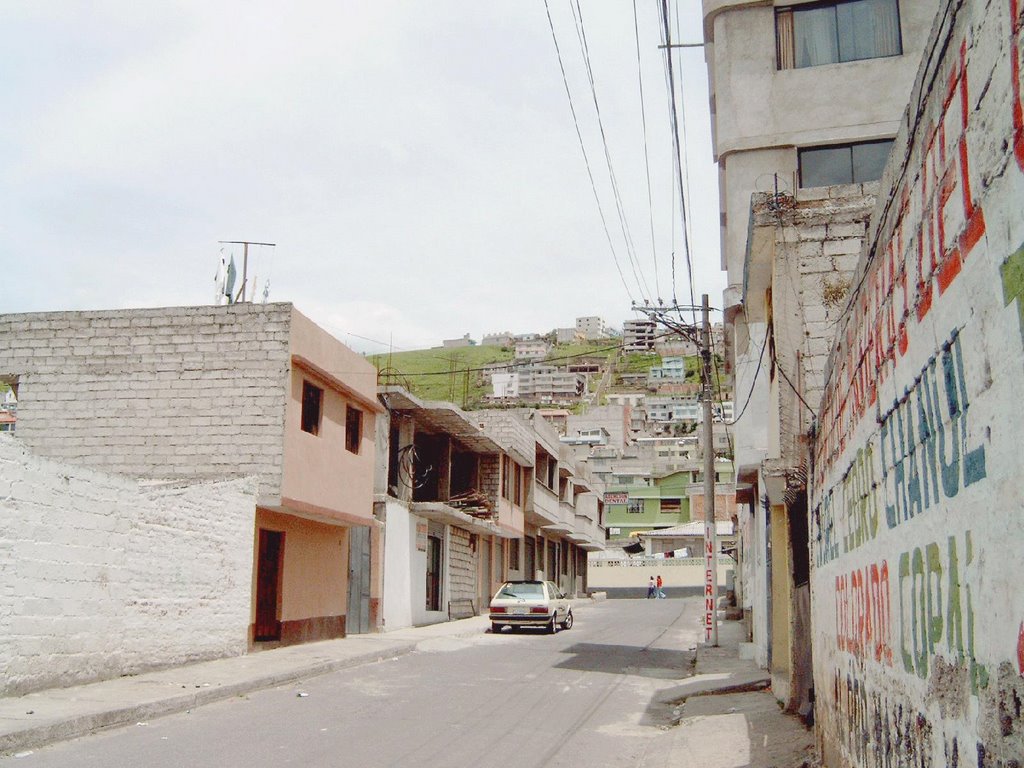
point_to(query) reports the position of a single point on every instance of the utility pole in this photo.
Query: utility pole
(701, 337)
(245, 262)
(710, 532)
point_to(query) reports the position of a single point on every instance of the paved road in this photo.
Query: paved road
(584, 697)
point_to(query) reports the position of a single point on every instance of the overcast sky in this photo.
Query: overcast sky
(415, 162)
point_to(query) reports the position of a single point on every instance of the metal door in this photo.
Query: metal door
(357, 620)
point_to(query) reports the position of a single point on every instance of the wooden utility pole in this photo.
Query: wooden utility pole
(245, 262)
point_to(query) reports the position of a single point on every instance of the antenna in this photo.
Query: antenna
(245, 264)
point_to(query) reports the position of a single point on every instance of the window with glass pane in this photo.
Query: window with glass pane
(843, 164)
(828, 33)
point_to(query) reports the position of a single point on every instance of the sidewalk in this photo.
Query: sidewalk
(728, 716)
(44, 717)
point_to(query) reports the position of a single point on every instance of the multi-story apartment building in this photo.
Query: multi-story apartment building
(539, 384)
(806, 99)
(563, 509)
(638, 335)
(531, 349)
(593, 327)
(450, 500)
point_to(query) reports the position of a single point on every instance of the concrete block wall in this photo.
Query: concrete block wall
(177, 392)
(103, 576)
(818, 239)
(916, 528)
(461, 567)
(509, 432)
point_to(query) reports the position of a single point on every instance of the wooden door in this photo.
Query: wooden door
(268, 585)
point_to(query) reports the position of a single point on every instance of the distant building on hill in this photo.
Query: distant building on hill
(465, 341)
(500, 339)
(593, 327)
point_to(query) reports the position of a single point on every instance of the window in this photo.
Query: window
(513, 554)
(312, 407)
(353, 428)
(829, 33)
(506, 470)
(517, 488)
(843, 164)
(671, 506)
(635, 506)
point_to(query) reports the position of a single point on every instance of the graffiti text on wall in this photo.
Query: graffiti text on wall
(863, 616)
(929, 236)
(926, 438)
(926, 454)
(936, 607)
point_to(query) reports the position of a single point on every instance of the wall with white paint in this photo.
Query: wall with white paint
(104, 576)
(915, 515)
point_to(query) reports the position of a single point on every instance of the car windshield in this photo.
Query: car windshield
(521, 590)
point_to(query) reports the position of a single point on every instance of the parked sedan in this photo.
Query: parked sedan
(530, 604)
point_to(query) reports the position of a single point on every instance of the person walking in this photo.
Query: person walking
(651, 587)
(661, 593)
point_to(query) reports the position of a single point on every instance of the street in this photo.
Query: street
(587, 696)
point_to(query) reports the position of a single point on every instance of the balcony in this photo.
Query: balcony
(543, 508)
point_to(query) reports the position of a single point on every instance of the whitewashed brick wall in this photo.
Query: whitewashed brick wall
(180, 392)
(102, 576)
(917, 532)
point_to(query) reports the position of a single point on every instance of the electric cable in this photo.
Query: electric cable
(581, 34)
(647, 159)
(586, 159)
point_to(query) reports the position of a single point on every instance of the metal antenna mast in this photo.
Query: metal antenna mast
(245, 261)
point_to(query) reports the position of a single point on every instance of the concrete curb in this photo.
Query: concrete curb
(62, 729)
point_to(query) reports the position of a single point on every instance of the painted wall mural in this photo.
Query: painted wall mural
(917, 507)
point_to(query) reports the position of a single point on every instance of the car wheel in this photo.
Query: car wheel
(567, 624)
(552, 626)
(495, 627)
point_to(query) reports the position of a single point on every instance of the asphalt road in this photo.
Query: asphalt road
(583, 697)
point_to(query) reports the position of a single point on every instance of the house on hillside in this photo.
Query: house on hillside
(637, 500)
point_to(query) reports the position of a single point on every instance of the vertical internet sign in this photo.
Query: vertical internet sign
(709, 580)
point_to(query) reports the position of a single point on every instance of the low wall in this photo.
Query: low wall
(681, 576)
(105, 576)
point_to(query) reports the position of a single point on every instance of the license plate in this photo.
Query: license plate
(520, 611)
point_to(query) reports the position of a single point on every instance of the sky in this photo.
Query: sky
(416, 164)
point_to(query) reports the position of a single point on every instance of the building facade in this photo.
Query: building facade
(779, 130)
(193, 394)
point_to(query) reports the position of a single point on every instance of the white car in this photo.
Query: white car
(530, 604)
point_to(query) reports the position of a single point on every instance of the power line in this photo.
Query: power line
(647, 160)
(666, 28)
(586, 159)
(581, 34)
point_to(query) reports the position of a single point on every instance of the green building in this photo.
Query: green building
(650, 503)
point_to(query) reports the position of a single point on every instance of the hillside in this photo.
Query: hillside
(452, 374)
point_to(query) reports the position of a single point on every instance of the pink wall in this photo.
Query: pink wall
(320, 476)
